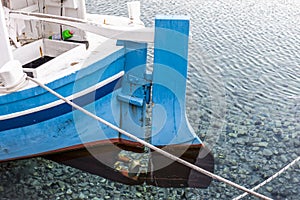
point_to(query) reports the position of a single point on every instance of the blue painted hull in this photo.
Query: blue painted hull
(50, 128)
(34, 122)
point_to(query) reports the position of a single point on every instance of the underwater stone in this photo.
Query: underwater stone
(286, 123)
(256, 140)
(92, 184)
(297, 143)
(240, 141)
(278, 123)
(61, 185)
(74, 196)
(73, 180)
(255, 148)
(69, 191)
(283, 159)
(262, 144)
(50, 166)
(35, 183)
(295, 134)
(257, 123)
(295, 180)
(96, 198)
(221, 156)
(84, 184)
(269, 189)
(50, 175)
(254, 180)
(267, 152)
(81, 196)
(138, 194)
(234, 135)
(242, 132)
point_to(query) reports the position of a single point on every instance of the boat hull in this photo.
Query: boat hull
(115, 87)
(34, 122)
(101, 158)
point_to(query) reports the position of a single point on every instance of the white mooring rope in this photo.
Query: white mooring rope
(168, 155)
(270, 178)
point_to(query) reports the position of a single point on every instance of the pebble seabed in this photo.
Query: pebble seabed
(243, 68)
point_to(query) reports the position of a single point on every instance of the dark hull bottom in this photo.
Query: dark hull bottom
(101, 159)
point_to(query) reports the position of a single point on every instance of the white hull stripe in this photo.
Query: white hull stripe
(59, 102)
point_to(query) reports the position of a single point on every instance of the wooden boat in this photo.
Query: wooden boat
(101, 66)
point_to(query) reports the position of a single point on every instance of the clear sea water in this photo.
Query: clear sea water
(244, 86)
(243, 100)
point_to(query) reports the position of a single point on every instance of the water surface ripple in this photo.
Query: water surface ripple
(243, 96)
(244, 69)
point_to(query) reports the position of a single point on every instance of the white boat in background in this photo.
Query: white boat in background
(99, 63)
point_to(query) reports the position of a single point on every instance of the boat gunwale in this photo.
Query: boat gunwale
(58, 83)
